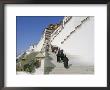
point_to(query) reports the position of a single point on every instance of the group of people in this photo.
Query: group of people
(61, 57)
(54, 49)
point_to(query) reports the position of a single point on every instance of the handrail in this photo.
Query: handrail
(60, 28)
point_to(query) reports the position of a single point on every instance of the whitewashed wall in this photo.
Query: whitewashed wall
(37, 47)
(40, 44)
(80, 45)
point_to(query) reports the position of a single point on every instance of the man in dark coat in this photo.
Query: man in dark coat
(65, 62)
(58, 56)
(52, 48)
(62, 55)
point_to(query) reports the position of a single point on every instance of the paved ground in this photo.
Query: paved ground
(52, 67)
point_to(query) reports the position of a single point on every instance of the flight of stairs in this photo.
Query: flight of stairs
(58, 68)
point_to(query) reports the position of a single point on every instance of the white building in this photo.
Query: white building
(38, 47)
(76, 37)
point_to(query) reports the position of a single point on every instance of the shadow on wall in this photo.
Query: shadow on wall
(77, 60)
(70, 65)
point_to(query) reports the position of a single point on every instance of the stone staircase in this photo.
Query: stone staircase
(58, 68)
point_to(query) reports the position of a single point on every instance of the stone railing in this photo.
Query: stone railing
(66, 19)
(56, 32)
(60, 28)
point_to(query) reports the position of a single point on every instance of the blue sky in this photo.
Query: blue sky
(29, 29)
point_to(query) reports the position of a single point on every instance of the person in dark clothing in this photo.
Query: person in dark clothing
(58, 56)
(62, 55)
(52, 48)
(66, 62)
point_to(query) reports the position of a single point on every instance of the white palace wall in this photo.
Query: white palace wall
(40, 44)
(38, 47)
(79, 44)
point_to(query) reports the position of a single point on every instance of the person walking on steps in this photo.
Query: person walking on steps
(65, 62)
(58, 56)
(62, 55)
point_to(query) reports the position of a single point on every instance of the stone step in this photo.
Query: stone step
(73, 69)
